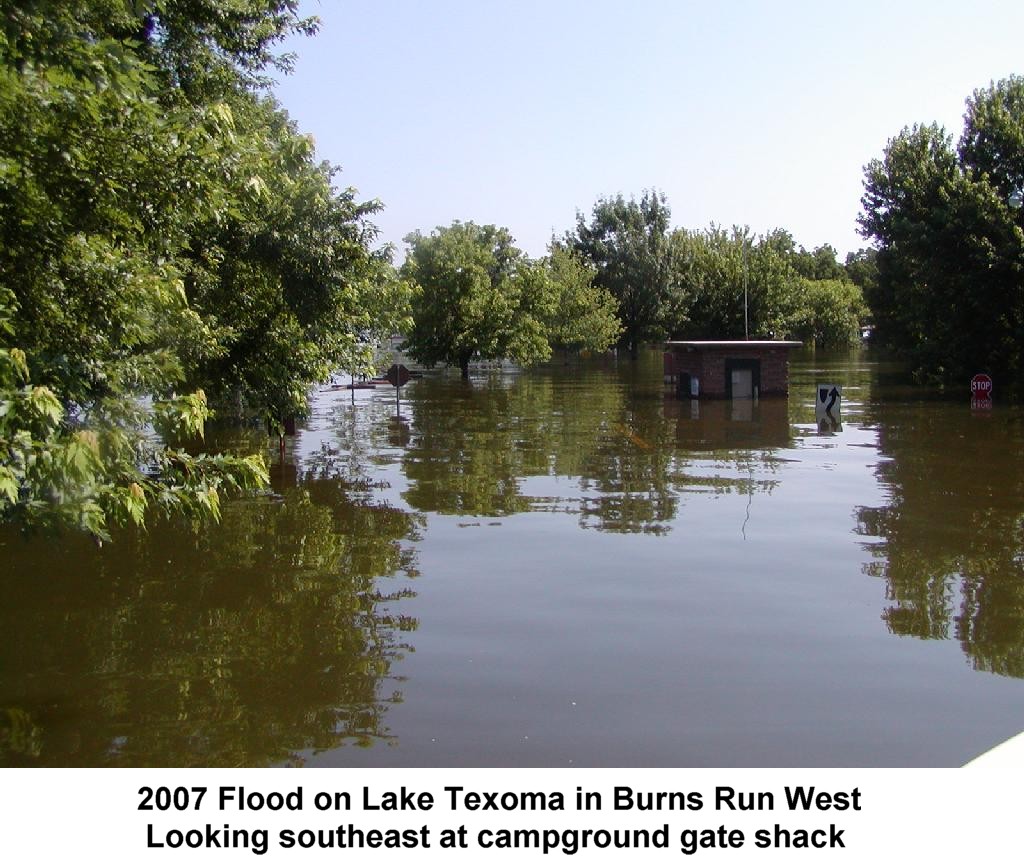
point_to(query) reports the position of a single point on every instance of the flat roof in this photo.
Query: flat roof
(703, 345)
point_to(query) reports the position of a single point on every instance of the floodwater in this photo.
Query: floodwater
(562, 567)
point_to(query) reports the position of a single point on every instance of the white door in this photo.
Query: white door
(742, 383)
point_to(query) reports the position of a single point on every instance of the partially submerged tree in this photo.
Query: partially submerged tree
(828, 313)
(165, 234)
(948, 226)
(476, 295)
(583, 316)
(469, 298)
(628, 243)
(288, 274)
(721, 270)
(64, 465)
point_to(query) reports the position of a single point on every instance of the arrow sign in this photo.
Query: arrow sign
(829, 398)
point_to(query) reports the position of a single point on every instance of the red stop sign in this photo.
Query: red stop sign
(981, 386)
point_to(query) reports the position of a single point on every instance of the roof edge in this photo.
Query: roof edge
(733, 344)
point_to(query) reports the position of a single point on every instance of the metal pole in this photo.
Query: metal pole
(746, 324)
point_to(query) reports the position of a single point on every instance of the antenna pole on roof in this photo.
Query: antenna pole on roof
(746, 321)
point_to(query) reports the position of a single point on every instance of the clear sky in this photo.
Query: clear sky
(520, 114)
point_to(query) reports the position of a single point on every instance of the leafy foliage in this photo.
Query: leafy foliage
(476, 294)
(165, 235)
(584, 316)
(862, 268)
(949, 289)
(717, 268)
(287, 273)
(697, 284)
(101, 470)
(628, 243)
(829, 313)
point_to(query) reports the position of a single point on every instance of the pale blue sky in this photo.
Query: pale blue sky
(519, 114)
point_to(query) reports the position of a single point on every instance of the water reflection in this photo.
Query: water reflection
(627, 455)
(596, 558)
(738, 423)
(951, 533)
(241, 644)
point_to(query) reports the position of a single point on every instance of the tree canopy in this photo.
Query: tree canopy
(166, 236)
(713, 283)
(948, 226)
(628, 244)
(789, 292)
(476, 294)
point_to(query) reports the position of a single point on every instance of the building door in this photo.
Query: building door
(742, 383)
(742, 378)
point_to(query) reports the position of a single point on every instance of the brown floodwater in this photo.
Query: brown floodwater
(560, 567)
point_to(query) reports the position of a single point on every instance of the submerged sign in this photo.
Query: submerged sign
(827, 404)
(828, 399)
(981, 392)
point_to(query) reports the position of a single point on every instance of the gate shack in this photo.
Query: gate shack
(728, 369)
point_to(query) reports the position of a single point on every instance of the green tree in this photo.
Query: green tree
(476, 294)
(165, 233)
(949, 290)
(628, 243)
(829, 313)
(821, 263)
(862, 268)
(100, 467)
(717, 268)
(98, 185)
(201, 49)
(583, 315)
(288, 272)
(710, 265)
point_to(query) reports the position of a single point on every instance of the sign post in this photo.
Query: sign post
(398, 376)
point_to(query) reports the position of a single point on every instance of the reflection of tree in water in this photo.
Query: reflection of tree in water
(473, 448)
(627, 475)
(951, 537)
(241, 644)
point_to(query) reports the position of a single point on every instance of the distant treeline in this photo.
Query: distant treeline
(624, 276)
(718, 283)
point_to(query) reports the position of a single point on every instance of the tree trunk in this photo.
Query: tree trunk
(464, 366)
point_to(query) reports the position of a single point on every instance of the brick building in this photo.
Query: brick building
(728, 369)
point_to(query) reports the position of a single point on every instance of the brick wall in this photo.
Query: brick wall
(709, 365)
